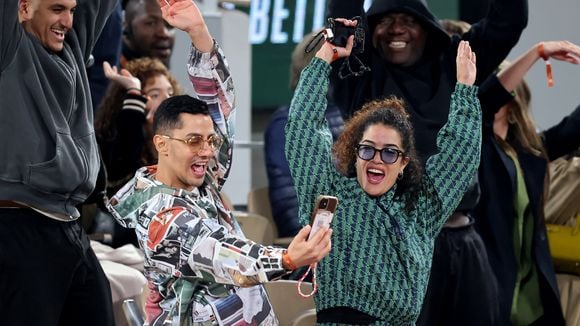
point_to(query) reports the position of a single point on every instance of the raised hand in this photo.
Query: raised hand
(561, 50)
(185, 15)
(466, 69)
(330, 52)
(124, 78)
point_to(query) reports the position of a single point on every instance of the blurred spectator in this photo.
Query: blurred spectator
(145, 33)
(514, 163)
(107, 48)
(124, 124)
(563, 202)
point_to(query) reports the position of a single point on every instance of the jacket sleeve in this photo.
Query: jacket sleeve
(564, 137)
(127, 147)
(459, 142)
(198, 246)
(493, 37)
(212, 83)
(492, 96)
(308, 139)
(89, 19)
(11, 32)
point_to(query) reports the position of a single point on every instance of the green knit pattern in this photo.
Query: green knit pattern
(381, 256)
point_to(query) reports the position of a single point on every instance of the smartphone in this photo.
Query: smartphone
(323, 213)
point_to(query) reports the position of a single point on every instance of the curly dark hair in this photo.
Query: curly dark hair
(144, 69)
(390, 112)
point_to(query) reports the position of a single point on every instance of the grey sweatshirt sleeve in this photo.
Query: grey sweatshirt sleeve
(89, 19)
(10, 31)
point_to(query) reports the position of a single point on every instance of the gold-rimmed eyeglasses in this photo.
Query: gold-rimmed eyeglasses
(195, 143)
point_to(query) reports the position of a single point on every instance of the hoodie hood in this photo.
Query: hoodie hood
(437, 38)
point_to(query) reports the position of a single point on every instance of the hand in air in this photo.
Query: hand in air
(123, 78)
(182, 14)
(330, 52)
(562, 50)
(466, 68)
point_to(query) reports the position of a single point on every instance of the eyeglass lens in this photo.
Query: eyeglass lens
(388, 155)
(197, 141)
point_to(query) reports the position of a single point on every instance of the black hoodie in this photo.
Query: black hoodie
(427, 85)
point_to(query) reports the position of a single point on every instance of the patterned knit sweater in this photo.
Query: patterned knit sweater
(381, 256)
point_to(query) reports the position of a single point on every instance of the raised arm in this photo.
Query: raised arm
(209, 74)
(495, 90)
(89, 19)
(459, 141)
(10, 31)
(308, 138)
(514, 73)
(493, 37)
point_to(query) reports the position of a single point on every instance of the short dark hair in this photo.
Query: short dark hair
(167, 115)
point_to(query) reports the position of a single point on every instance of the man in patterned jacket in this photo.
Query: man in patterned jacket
(201, 269)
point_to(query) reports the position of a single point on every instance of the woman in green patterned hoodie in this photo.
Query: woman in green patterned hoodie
(389, 212)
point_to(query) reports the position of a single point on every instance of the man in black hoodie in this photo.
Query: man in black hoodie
(49, 275)
(412, 57)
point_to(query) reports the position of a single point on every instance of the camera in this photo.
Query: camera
(323, 203)
(337, 33)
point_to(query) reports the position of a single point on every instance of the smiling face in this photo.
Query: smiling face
(48, 20)
(375, 176)
(148, 34)
(179, 166)
(400, 38)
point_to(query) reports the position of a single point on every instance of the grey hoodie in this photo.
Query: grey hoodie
(47, 144)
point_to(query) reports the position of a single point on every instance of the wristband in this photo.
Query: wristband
(334, 54)
(287, 261)
(543, 55)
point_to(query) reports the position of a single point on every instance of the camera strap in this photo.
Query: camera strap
(346, 64)
(345, 69)
(315, 40)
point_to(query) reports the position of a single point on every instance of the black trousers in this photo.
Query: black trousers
(49, 275)
(462, 288)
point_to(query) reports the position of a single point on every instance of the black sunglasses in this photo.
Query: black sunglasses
(388, 155)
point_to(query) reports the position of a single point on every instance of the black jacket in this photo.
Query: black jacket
(495, 213)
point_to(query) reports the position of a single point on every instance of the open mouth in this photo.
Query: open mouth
(59, 34)
(198, 169)
(375, 176)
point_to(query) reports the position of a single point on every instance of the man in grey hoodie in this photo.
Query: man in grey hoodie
(49, 275)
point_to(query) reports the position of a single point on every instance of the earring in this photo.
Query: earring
(511, 118)
(400, 176)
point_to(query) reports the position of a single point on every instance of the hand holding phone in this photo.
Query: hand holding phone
(323, 213)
